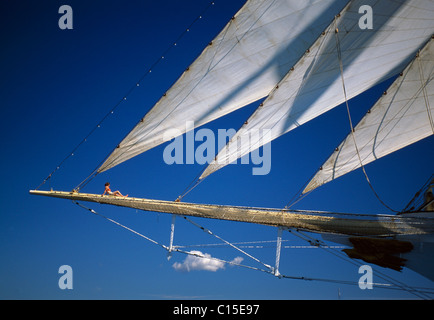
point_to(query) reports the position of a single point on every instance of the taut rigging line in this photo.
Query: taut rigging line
(417, 291)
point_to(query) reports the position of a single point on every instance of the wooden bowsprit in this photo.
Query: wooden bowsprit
(418, 223)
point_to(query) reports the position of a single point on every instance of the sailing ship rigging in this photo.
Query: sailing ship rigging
(304, 58)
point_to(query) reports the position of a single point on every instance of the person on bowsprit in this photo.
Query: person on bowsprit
(110, 193)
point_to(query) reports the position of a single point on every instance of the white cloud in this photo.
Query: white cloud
(201, 261)
(238, 260)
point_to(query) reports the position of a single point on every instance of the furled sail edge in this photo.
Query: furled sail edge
(133, 145)
(219, 162)
(392, 112)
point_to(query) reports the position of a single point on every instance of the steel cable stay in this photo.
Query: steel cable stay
(120, 225)
(258, 244)
(394, 284)
(167, 248)
(415, 290)
(283, 219)
(96, 171)
(120, 102)
(227, 242)
(417, 201)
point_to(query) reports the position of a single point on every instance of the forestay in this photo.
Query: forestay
(314, 85)
(241, 65)
(402, 116)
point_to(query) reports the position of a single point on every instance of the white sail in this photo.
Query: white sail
(241, 65)
(314, 86)
(401, 117)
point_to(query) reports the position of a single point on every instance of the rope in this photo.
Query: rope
(256, 245)
(220, 260)
(398, 284)
(196, 181)
(227, 242)
(425, 95)
(167, 115)
(418, 200)
(317, 244)
(123, 99)
(193, 184)
(338, 48)
(176, 249)
(121, 225)
(173, 249)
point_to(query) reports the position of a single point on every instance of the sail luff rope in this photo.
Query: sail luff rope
(193, 184)
(174, 44)
(124, 98)
(197, 180)
(423, 89)
(202, 78)
(339, 53)
(293, 201)
(423, 83)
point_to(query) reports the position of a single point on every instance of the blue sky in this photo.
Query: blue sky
(56, 85)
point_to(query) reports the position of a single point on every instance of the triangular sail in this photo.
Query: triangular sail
(314, 86)
(404, 115)
(241, 65)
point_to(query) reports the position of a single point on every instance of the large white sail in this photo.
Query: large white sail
(276, 48)
(241, 65)
(401, 117)
(314, 86)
